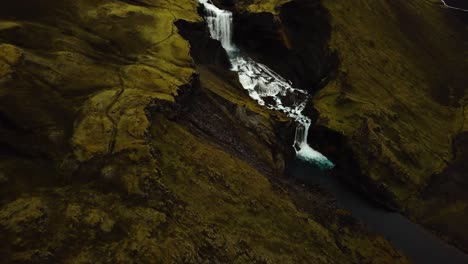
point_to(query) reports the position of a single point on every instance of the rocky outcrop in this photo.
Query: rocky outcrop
(291, 38)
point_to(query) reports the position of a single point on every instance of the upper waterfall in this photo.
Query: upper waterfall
(220, 25)
(263, 84)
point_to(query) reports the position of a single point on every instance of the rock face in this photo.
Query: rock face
(122, 143)
(292, 38)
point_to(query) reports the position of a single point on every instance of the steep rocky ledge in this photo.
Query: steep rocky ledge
(115, 147)
(392, 114)
(292, 39)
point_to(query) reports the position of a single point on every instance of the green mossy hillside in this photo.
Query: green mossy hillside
(399, 100)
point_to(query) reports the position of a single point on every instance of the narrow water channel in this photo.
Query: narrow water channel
(418, 244)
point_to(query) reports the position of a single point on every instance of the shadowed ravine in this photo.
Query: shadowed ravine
(271, 90)
(264, 85)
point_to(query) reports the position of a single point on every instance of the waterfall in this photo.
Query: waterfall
(220, 25)
(264, 85)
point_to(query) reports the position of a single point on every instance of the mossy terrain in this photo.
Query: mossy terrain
(406, 84)
(116, 147)
(400, 98)
(270, 6)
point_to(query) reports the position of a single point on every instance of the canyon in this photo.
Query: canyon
(129, 135)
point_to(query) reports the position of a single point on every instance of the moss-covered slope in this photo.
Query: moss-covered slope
(399, 98)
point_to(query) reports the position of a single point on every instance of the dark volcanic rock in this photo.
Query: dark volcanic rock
(204, 49)
(292, 42)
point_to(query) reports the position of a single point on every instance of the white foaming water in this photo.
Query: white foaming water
(264, 85)
(220, 25)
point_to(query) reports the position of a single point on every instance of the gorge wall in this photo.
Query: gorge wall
(119, 120)
(400, 99)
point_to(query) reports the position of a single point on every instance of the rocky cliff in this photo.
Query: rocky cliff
(125, 139)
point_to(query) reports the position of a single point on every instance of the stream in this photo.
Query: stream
(272, 91)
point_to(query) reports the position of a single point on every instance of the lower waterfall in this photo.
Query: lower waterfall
(264, 85)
